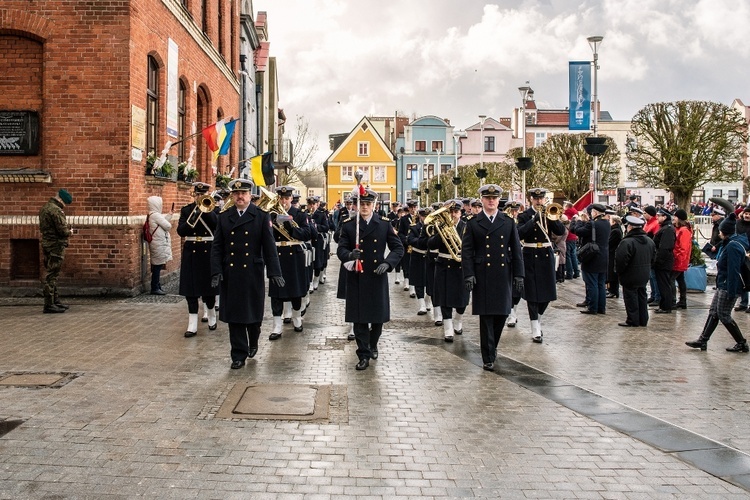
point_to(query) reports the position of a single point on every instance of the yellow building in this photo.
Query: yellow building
(363, 149)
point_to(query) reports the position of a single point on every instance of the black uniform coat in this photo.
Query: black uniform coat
(292, 258)
(664, 240)
(615, 237)
(418, 260)
(449, 290)
(367, 298)
(633, 258)
(583, 230)
(320, 220)
(195, 268)
(404, 225)
(540, 284)
(491, 252)
(242, 246)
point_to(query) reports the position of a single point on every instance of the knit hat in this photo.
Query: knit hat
(650, 210)
(727, 226)
(680, 214)
(65, 196)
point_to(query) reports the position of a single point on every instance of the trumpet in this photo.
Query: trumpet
(269, 202)
(550, 211)
(203, 204)
(440, 221)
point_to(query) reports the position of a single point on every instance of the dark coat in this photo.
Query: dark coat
(491, 252)
(418, 259)
(449, 289)
(584, 231)
(633, 258)
(615, 237)
(732, 255)
(320, 220)
(195, 267)
(367, 299)
(664, 240)
(242, 247)
(540, 284)
(404, 225)
(292, 258)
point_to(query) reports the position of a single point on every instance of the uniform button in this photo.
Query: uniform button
(488, 264)
(502, 265)
(231, 264)
(487, 237)
(231, 232)
(488, 255)
(488, 246)
(502, 255)
(231, 243)
(375, 241)
(231, 254)
(244, 265)
(247, 253)
(247, 244)
(246, 232)
(375, 261)
(193, 251)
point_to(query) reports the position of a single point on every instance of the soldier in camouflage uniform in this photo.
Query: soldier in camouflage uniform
(55, 234)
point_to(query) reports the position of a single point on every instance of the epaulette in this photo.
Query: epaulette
(469, 217)
(348, 219)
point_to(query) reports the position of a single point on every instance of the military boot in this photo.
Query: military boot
(57, 302)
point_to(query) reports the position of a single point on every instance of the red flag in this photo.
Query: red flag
(584, 201)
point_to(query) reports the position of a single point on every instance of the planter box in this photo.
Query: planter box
(696, 279)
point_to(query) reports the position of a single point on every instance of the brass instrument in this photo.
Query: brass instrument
(227, 205)
(269, 202)
(440, 221)
(550, 211)
(203, 204)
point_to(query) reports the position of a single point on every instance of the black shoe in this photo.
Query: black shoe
(412, 295)
(448, 339)
(680, 305)
(375, 353)
(350, 337)
(587, 311)
(582, 304)
(490, 367)
(214, 326)
(421, 313)
(53, 309)
(236, 365)
(651, 300)
(158, 292)
(189, 334)
(747, 310)
(459, 332)
(439, 322)
(663, 311)
(287, 321)
(299, 328)
(626, 324)
(741, 308)
(216, 308)
(538, 339)
(62, 306)
(698, 344)
(653, 304)
(204, 320)
(303, 311)
(739, 347)
(362, 365)
(274, 336)
(252, 352)
(612, 296)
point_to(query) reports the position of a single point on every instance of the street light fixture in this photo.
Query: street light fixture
(438, 173)
(456, 178)
(427, 185)
(523, 163)
(594, 42)
(481, 173)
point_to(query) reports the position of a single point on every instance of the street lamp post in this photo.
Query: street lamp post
(438, 172)
(456, 178)
(481, 143)
(524, 163)
(427, 185)
(594, 42)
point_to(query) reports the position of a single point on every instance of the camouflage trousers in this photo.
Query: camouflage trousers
(53, 260)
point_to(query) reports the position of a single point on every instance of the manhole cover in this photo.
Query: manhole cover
(36, 379)
(282, 402)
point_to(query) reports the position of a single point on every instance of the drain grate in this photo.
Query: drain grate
(8, 425)
(37, 380)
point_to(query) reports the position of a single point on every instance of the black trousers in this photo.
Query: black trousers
(242, 337)
(277, 305)
(447, 312)
(192, 302)
(367, 336)
(490, 329)
(665, 282)
(536, 309)
(636, 305)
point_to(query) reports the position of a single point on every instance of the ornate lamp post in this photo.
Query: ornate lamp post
(523, 163)
(481, 172)
(456, 178)
(595, 146)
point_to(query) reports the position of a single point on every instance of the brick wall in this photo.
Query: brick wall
(83, 65)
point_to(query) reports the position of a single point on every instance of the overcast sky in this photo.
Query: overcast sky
(340, 60)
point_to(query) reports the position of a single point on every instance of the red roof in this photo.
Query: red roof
(552, 117)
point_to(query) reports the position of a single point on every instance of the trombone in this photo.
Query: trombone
(550, 211)
(203, 204)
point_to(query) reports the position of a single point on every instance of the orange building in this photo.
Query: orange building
(363, 149)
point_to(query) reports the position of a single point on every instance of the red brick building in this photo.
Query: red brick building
(102, 79)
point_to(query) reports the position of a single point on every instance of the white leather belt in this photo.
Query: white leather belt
(423, 252)
(199, 238)
(287, 243)
(448, 256)
(545, 244)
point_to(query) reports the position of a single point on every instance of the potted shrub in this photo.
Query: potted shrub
(150, 160)
(222, 181)
(191, 175)
(166, 170)
(181, 170)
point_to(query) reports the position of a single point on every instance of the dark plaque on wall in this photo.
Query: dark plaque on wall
(19, 133)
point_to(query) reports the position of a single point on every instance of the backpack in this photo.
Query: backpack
(148, 235)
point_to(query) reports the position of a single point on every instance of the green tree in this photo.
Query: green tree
(682, 145)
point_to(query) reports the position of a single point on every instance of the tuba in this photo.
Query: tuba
(269, 202)
(203, 204)
(440, 221)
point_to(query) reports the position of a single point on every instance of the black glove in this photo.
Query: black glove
(355, 254)
(383, 268)
(216, 279)
(470, 282)
(537, 216)
(518, 285)
(278, 281)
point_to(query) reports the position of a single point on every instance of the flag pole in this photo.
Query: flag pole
(358, 175)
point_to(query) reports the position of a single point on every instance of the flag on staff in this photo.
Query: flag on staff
(261, 169)
(584, 201)
(219, 137)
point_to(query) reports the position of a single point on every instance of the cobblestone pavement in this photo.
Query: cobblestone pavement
(135, 413)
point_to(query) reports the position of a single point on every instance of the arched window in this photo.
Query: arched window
(181, 122)
(152, 106)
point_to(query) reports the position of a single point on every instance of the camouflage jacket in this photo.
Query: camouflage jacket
(52, 223)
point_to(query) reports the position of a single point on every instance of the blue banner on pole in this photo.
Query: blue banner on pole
(579, 114)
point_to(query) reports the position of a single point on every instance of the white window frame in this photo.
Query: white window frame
(379, 173)
(411, 169)
(539, 138)
(347, 173)
(363, 148)
(439, 148)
